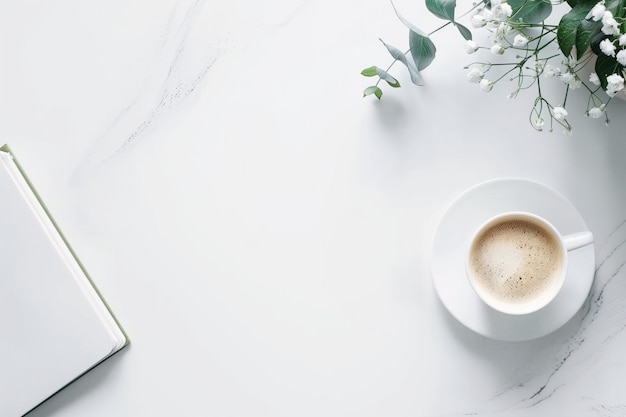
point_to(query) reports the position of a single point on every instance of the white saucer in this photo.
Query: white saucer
(452, 236)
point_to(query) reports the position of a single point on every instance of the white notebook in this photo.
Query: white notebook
(54, 325)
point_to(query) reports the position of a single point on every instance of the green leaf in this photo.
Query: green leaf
(373, 90)
(605, 66)
(585, 31)
(443, 9)
(395, 52)
(401, 56)
(595, 43)
(422, 50)
(568, 26)
(465, 32)
(616, 7)
(406, 23)
(530, 11)
(384, 75)
(369, 72)
(566, 33)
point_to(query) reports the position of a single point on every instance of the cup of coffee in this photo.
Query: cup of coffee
(517, 261)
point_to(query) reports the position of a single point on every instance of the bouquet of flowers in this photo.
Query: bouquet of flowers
(586, 50)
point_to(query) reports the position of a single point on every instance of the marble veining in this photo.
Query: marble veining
(558, 371)
(178, 71)
(258, 226)
(602, 410)
(192, 41)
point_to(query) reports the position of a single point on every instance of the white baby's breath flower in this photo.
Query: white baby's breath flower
(596, 12)
(622, 39)
(572, 62)
(475, 75)
(615, 79)
(606, 16)
(594, 79)
(607, 47)
(570, 79)
(552, 71)
(615, 84)
(610, 25)
(560, 113)
(488, 15)
(502, 30)
(486, 85)
(595, 112)
(621, 57)
(478, 21)
(497, 49)
(471, 47)
(519, 41)
(538, 122)
(567, 77)
(502, 11)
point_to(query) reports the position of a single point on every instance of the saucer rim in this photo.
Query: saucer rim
(560, 319)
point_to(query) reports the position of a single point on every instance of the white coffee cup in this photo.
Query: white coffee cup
(517, 261)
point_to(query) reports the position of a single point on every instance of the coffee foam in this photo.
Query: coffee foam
(516, 261)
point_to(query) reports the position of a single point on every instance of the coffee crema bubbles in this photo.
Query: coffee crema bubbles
(516, 261)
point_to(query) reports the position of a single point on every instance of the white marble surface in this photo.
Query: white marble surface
(262, 231)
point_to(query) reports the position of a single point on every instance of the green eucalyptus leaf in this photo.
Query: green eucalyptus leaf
(369, 72)
(401, 56)
(408, 24)
(423, 50)
(585, 31)
(373, 90)
(384, 75)
(530, 11)
(395, 52)
(465, 32)
(605, 66)
(443, 9)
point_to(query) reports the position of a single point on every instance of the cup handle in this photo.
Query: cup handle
(577, 240)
